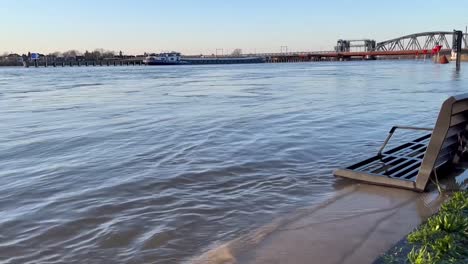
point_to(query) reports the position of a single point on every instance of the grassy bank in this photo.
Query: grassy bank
(442, 239)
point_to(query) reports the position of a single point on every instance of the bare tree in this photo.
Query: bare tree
(55, 54)
(108, 54)
(71, 54)
(236, 52)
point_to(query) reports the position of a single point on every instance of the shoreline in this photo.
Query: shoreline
(412, 248)
(399, 252)
(139, 62)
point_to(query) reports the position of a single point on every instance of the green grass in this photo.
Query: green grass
(444, 237)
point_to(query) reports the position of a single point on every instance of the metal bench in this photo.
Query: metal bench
(411, 165)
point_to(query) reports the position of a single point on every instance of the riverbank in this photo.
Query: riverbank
(196, 61)
(442, 239)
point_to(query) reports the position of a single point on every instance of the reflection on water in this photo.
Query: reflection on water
(159, 164)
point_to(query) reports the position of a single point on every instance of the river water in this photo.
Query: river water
(161, 164)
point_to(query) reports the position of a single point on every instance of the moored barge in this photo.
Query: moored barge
(175, 58)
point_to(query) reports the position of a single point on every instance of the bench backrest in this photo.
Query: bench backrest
(451, 125)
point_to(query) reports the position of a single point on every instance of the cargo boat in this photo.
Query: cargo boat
(175, 58)
(168, 58)
(223, 60)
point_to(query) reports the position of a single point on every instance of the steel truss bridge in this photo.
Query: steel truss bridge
(420, 41)
(409, 45)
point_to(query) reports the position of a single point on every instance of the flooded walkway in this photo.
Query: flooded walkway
(356, 226)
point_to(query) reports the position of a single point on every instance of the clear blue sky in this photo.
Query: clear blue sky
(202, 26)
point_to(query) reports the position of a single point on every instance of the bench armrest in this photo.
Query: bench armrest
(392, 131)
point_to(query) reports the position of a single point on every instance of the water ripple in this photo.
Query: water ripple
(156, 164)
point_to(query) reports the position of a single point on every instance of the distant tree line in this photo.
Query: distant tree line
(97, 54)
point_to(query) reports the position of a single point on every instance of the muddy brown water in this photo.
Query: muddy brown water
(168, 164)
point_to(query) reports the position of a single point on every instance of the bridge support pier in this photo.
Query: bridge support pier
(457, 47)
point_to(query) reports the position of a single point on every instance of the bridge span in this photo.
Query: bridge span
(417, 44)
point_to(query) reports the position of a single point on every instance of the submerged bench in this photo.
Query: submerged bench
(411, 165)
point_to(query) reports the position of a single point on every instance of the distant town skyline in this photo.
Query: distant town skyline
(206, 27)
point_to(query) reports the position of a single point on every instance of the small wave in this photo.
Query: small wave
(79, 85)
